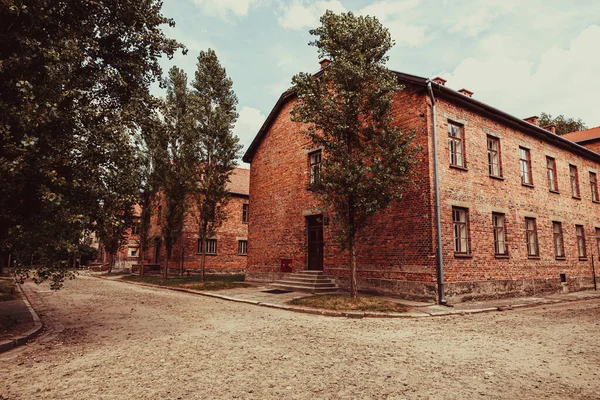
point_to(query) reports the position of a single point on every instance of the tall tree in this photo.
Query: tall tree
(348, 112)
(74, 83)
(563, 124)
(217, 147)
(148, 141)
(178, 159)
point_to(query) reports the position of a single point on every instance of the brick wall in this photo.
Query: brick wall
(593, 145)
(396, 252)
(226, 259)
(393, 253)
(473, 188)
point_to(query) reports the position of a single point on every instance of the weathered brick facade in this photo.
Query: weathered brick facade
(227, 258)
(396, 253)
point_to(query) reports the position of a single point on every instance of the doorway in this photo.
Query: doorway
(314, 225)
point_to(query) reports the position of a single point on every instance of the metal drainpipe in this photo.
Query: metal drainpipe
(440, 260)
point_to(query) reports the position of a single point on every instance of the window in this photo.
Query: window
(559, 244)
(498, 222)
(133, 253)
(531, 237)
(211, 246)
(245, 213)
(494, 166)
(574, 180)
(242, 247)
(552, 182)
(314, 159)
(594, 186)
(581, 242)
(461, 230)
(158, 215)
(456, 145)
(135, 228)
(525, 165)
(598, 239)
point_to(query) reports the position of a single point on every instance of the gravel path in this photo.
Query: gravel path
(112, 340)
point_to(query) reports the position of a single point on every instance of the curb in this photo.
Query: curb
(353, 314)
(22, 339)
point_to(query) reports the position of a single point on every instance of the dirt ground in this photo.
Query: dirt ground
(113, 340)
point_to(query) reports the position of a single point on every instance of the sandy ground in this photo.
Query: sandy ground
(113, 340)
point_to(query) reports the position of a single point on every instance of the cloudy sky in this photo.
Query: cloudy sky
(523, 57)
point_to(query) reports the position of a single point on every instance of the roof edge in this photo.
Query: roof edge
(455, 96)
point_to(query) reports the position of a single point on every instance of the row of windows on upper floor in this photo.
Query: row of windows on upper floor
(461, 236)
(456, 148)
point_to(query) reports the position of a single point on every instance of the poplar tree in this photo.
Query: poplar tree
(176, 159)
(348, 113)
(217, 147)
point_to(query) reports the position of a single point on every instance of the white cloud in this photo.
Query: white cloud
(393, 14)
(565, 81)
(472, 18)
(302, 14)
(223, 8)
(248, 124)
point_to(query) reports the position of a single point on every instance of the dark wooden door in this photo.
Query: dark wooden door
(315, 242)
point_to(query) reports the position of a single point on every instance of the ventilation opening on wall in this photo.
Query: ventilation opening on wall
(563, 278)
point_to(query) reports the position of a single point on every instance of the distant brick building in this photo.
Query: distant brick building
(589, 138)
(226, 251)
(519, 206)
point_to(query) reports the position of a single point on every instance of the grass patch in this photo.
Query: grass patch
(344, 303)
(7, 290)
(212, 282)
(115, 273)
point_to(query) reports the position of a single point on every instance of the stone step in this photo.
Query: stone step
(297, 278)
(295, 288)
(306, 284)
(308, 272)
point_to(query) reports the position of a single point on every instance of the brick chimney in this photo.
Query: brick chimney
(324, 62)
(550, 128)
(466, 92)
(532, 120)
(439, 81)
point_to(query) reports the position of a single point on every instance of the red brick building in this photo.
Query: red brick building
(519, 206)
(226, 251)
(589, 138)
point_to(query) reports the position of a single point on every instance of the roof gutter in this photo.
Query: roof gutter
(436, 189)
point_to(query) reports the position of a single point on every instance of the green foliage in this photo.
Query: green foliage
(563, 124)
(74, 85)
(176, 157)
(348, 112)
(217, 147)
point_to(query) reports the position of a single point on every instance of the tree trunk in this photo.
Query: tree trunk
(110, 262)
(166, 271)
(353, 282)
(181, 268)
(203, 262)
(141, 262)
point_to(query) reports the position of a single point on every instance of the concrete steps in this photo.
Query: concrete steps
(307, 281)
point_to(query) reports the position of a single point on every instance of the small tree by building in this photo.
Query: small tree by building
(348, 112)
(217, 147)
